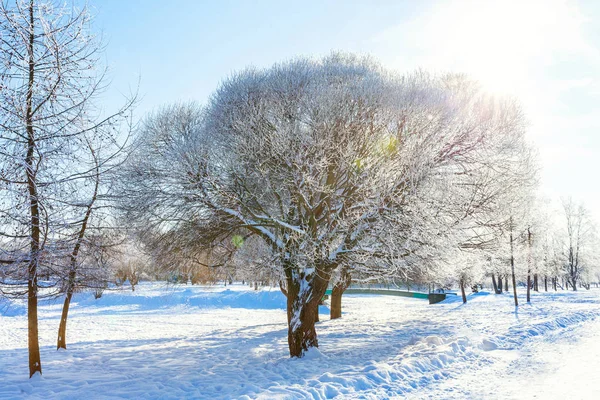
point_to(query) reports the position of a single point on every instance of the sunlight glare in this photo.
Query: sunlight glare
(498, 43)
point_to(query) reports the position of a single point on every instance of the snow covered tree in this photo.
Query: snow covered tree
(324, 160)
(48, 79)
(502, 198)
(580, 239)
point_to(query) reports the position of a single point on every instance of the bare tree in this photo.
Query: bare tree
(48, 79)
(580, 236)
(88, 221)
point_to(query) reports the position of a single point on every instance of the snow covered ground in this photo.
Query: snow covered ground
(173, 342)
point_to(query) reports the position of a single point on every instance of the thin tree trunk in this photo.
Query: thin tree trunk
(500, 284)
(528, 287)
(495, 285)
(545, 283)
(506, 283)
(304, 295)
(35, 362)
(528, 266)
(536, 283)
(512, 265)
(336, 294)
(62, 329)
(462, 290)
(61, 342)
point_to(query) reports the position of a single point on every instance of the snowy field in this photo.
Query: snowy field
(173, 342)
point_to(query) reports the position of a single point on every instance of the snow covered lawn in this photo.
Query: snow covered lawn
(172, 342)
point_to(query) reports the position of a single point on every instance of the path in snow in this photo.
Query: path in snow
(563, 364)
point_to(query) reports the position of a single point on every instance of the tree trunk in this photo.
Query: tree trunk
(35, 362)
(335, 310)
(528, 287)
(494, 284)
(33, 344)
(506, 283)
(62, 329)
(462, 290)
(528, 265)
(545, 283)
(500, 284)
(536, 283)
(337, 292)
(512, 266)
(304, 294)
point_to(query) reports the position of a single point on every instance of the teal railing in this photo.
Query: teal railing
(432, 297)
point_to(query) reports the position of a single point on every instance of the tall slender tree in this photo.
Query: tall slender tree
(49, 77)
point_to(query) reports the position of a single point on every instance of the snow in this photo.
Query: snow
(562, 364)
(178, 341)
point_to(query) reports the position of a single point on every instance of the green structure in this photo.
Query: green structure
(432, 297)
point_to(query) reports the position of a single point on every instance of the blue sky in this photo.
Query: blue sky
(545, 52)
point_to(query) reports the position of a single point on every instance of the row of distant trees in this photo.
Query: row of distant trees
(309, 174)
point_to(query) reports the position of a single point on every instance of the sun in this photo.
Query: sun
(503, 44)
(495, 40)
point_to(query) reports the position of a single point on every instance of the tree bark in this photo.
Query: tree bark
(545, 283)
(495, 284)
(282, 288)
(35, 362)
(536, 283)
(337, 292)
(500, 284)
(304, 294)
(506, 283)
(62, 329)
(462, 290)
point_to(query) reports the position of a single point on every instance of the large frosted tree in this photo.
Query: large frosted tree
(329, 162)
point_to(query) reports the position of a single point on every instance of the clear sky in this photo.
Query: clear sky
(546, 52)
